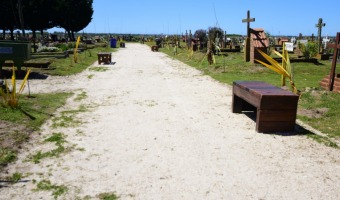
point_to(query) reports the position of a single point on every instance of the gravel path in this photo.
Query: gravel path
(155, 128)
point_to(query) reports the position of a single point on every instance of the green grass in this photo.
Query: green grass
(307, 76)
(59, 140)
(108, 196)
(46, 185)
(67, 66)
(34, 110)
(25, 121)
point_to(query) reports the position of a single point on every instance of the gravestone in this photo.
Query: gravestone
(289, 46)
(319, 25)
(247, 42)
(325, 41)
(293, 40)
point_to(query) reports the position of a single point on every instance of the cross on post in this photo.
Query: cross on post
(247, 42)
(319, 25)
(336, 47)
(248, 20)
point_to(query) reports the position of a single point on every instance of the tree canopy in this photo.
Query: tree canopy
(72, 15)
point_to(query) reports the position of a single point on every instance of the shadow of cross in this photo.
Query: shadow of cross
(336, 48)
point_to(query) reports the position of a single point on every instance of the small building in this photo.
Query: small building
(258, 40)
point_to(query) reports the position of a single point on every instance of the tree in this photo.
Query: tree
(9, 16)
(74, 15)
(215, 32)
(201, 34)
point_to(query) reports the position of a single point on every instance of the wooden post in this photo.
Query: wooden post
(319, 25)
(336, 47)
(247, 43)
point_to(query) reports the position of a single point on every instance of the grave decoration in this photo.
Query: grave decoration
(331, 82)
(284, 69)
(247, 42)
(11, 96)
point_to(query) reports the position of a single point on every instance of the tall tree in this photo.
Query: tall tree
(9, 16)
(74, 15)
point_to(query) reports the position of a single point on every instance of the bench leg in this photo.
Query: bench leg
(236, 104)
(239, 105)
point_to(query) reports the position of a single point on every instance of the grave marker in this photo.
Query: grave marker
(247, 42)
(319, 25)
(331, 82)
(336, 47)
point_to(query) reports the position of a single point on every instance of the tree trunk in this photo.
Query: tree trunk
(3, 34)
(34, 39)
(12, 34)
(42, 34)
(73, 38)
(69, 35)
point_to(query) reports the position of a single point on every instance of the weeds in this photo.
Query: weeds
(99, 69)
(7, 156)
(46, 185)
(68, 118)
(58, 139)
(108, 196)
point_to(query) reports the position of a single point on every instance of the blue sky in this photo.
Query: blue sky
(289, 17)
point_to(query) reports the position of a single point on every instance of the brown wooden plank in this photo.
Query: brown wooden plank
(253, 99)
(279, 102)
(276, 115)
(270, 127)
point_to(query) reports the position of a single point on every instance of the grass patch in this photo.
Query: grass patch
(99, 69)
(81, 96)
(68, 118)
(108, 196)
(66, 66)
(6, 156)
(90, 76)
(46, 185)
(20, 124)
(15, 177)
(307, 76)
(58, 139)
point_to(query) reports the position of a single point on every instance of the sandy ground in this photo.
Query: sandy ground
(158, 129)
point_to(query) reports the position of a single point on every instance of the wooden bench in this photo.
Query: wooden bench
(104, 57)
(154, 48)
(275, 108)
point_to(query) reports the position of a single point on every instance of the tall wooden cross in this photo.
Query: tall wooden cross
(319, 25)
(247, 42)
(336, 47)
(248, 20)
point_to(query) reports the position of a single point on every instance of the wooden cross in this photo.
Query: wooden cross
(336, 47)
(248, 20)
(319, 25)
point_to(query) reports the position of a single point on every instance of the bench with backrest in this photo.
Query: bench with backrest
(275, 108)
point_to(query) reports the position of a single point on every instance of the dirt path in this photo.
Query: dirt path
(155, 128)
